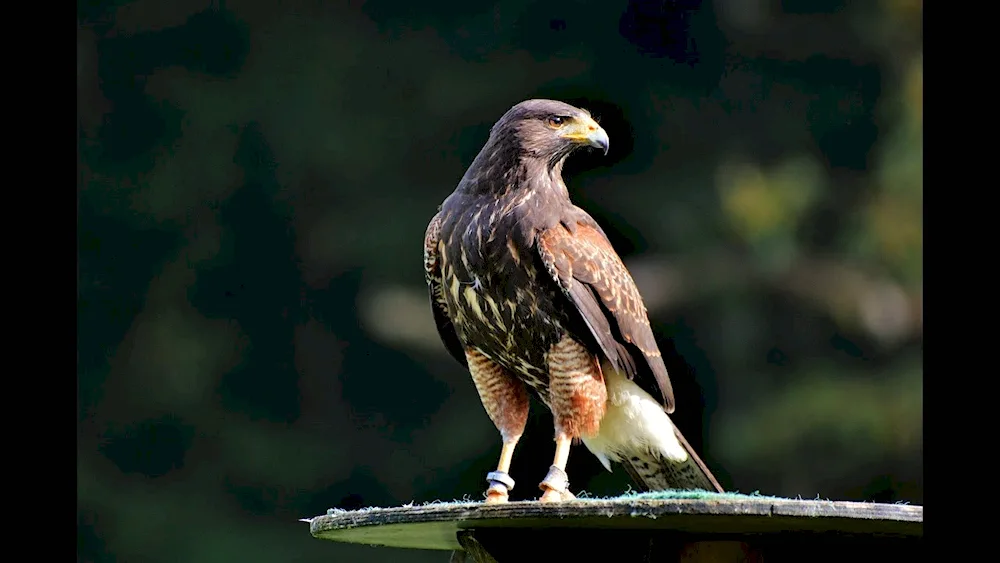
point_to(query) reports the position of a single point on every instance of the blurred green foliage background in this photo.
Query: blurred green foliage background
(255, 341)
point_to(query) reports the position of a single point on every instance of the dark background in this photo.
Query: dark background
(255, 340)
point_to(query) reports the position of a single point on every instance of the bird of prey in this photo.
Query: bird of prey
(528, 293)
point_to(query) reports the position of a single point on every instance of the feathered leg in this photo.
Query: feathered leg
(506, 402)
(577, 397)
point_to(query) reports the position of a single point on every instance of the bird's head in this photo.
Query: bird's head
(527, 148)
(549, 129)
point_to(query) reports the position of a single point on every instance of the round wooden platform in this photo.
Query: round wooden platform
(437, 526)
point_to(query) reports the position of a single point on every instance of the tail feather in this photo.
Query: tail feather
(653, 472)
(637, 433)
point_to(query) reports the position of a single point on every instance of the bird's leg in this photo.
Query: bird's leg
(556, 482)
(578, 399)
(506, 402)
(500, 481)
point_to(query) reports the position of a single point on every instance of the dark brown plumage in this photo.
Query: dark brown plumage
(526, 289)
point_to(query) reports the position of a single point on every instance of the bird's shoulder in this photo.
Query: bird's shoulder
(431, 236)
(575, 234)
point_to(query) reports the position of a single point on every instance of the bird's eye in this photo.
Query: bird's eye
(556, 121)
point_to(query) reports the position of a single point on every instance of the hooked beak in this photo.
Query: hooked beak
(585, 130)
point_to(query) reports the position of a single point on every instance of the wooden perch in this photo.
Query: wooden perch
(635, 529)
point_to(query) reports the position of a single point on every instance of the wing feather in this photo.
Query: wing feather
(432, 275)
(585, 265)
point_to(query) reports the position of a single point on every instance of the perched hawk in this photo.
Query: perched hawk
(528, 293)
